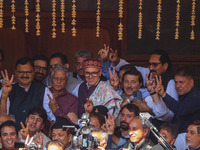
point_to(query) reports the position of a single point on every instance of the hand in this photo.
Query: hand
(160, 88)
(73, 117)
(52, 103)
(103, 53)
(143, 107)
(24, 131)
(7, 84)
(88, 106)
(39, 140)
(114, 80)
(113, 56)
(150, 84)
(110, 124)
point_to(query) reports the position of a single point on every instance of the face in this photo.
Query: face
(92, 75)
(94, 123)
(54, 147)
(35, 123)
(155, 64)
(183, 85)
(99, 136)
(131, 84)
(4, 118)
(8, 137)
(126, 118)
(60, 135)
(59, 80)
(53, 62)
(192, 137)
(167, 135)
(79, 65)
(24, 74)
(137, 133)
(40, 69)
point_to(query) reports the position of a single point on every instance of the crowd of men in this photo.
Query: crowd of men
(43, 96)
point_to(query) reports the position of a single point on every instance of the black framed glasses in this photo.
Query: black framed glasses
(153, 64)
(24, 72)
(40, 67)
(94, 74)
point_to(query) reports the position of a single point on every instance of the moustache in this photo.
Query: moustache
(22, 77)
(38, 73)
(129, 88)
(126, 127)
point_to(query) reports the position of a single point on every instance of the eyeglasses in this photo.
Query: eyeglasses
(59, 79)
(94, 74)
(40, 67)
(24, 72)
(153, 64)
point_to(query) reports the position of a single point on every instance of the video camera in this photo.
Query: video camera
(83, 139)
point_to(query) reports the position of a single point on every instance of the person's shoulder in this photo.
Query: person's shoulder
(157, 147)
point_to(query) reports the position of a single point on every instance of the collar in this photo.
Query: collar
(94, 85)
(26, 88)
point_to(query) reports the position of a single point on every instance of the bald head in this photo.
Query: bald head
(4, 117)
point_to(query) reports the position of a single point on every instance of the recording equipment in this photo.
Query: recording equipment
(83, 139)
(144, 117)
(137, 95)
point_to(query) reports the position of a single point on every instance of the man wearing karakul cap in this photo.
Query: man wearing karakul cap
(97, 91)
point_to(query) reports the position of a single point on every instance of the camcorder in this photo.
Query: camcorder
(83, 139)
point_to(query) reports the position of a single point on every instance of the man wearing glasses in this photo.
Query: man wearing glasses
(40, 63)
(96, 91)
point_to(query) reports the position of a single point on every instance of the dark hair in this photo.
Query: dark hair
(39, 111)
(131, 108)
(84, 54)
(184, 72)
(60, 121)
(9, 123)
(2, 54)
(195, 122)
(40, 57)
(127, 67)
(23, 61)
(164, 57)
(100, 118)
(171, 128)
(135, 73)
(63, 57)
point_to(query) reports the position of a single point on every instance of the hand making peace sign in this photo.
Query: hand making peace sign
(52, 103)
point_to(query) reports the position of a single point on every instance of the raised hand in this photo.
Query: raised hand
(113, 56)
(7, 84)
(39, 140)
(24, 131)
(73, 117)
(114, 80)
(150, 83)
(88, 106)
(103, 53)
(52, 103)
(110, 124)
(160, 88)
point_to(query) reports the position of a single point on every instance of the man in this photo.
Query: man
(102, 136)
(62, 101)
(5, 117)
(8, 135)
(139, 136)
(170, 132)
(40, 63)
(187, 108)
(35, 122)
(97, 121)
(60, 59)
(99, 92)
(58, 134)
(193, 135)
(19, 98)
(80, 56)
(55, 145)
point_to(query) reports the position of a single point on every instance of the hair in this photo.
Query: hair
(59, 67)
(104, 135)
(2, 55)
(184, 72)
(131, 108)
(195, 122)
(40, 57)
(55, 143)
(171, 128)
(63, 58)
(11, 116)
(23, 61)
(9, 123)
(60, 121)
(127, 67)
(84, 54)
(100, 118)
(164, 57)
(135, 73)
(39, 111)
